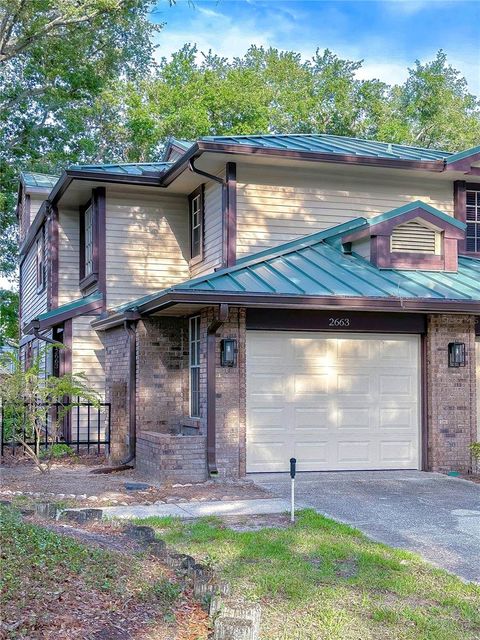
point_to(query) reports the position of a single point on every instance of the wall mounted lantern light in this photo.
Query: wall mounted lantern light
(457, 355)
(228, 352)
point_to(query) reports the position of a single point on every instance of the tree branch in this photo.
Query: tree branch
(9, 51)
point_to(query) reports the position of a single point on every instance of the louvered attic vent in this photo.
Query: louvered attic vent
(413, 237)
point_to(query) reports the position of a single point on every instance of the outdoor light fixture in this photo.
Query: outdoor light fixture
(228, 352)
(457, 356)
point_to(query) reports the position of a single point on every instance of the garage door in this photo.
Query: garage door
(333, 401)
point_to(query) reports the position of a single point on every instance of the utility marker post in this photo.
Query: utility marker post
(293, 470)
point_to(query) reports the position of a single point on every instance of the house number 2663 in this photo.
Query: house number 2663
(339, 322)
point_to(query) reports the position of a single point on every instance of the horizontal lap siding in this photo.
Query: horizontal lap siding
(275, 205)
(68, 256)
(213, 232)
(35, 204)
(88, 356)
(147, 239)
(33, 303)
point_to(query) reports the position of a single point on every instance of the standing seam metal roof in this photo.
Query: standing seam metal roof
(39, 180)
(129, 169)
(324, 143)
(316, 265)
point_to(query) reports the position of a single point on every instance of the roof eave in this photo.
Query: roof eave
(251, 300)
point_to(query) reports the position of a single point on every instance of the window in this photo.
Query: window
(88, 248)
(196, 223)
(473, 220)
(88, 240)
(40, 263)
(194, 342)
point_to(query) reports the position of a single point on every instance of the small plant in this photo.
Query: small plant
(475, 449)
(57, 450)
(35, 405)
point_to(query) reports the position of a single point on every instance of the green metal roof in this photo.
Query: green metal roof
(315, 265)
(323, 143)
(70, 306)
(38, 180)
(128, 168)
(463, 154)
(415, 205)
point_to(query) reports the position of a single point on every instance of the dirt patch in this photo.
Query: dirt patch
(75, 595)
(473, 477)
(71, 481)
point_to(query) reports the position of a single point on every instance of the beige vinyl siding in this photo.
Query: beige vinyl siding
(147, 243)
(88, 353)
(36, 200)
(278, 204)
(212, 232)
(68, 255)
(32, 303)
(88, 356)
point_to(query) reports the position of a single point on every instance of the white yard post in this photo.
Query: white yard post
(293, 464)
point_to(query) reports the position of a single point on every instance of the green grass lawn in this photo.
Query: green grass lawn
(321, 580)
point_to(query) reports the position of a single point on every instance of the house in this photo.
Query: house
(253, 298)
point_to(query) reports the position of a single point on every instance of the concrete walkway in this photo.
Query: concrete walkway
(200, 509)
(428, 513)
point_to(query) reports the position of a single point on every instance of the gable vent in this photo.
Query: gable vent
(413, 237)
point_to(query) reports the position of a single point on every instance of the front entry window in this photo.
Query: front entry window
(194, 341)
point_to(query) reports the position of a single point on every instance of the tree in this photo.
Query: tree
(435, 109)
(8, 316)
(272, 91)
(57, 59)
(35, 406)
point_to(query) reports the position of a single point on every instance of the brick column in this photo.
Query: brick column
(451, 394)
(116, 389)
(230, 395)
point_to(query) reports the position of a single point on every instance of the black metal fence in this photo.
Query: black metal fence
(85, 427)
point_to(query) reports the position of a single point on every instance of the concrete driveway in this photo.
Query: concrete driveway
(429, 513)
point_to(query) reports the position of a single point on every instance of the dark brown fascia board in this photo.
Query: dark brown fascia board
(90, 308)
(418, 305)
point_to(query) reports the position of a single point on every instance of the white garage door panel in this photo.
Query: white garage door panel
(333, 401)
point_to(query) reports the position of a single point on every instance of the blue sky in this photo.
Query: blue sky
(387, 34)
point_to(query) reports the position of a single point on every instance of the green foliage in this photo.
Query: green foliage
(34, 405)
(57, 450)
(8, 316)
(270, 91)
(475, 449)
(58, 59)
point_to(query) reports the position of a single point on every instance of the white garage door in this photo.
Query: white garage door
(333, 401)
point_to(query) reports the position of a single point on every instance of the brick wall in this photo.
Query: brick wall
(169, 458)
(451, 394)
(116, 388)
(162, 374)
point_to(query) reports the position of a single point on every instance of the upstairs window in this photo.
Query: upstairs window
(40, 262)
(196, 224)
(88, 245)
(88, 248)
(194, 343)
(473, 221)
